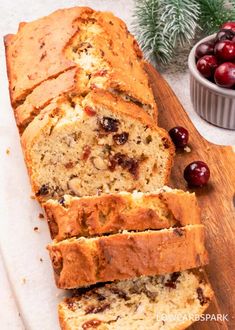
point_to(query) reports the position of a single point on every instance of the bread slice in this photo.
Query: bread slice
(85, 261)
(95, 144)
(169, 302)
(110, 213)
(42, 95)
(85, 45)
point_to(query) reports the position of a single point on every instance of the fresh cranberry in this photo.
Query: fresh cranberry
(179, 136)
(206, 65)
(225, 50)
(225, 75)
(197, 174)
(205, 48)
(224, 35)
(229, 26)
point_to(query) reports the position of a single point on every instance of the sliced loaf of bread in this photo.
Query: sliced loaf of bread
(96, 144)
(85, 261)
(110, 213)
(169, 302)
(74, 50)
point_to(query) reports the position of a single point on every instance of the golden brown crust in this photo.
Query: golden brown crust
(121, 51)
(82, 262)
(29, 70)
(184, 206)
(111, 213)
(42, 95)
(47, 38)
(115, 103)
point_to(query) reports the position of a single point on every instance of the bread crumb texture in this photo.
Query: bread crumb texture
(161, 302)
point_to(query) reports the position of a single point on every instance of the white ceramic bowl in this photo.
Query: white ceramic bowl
(211, 102)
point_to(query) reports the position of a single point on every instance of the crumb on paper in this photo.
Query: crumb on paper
(36, 229)
(41, 216)
(32, 197)
(208, 148)
(41, 259)
(23, 280)
(8, 151)
(187, 149)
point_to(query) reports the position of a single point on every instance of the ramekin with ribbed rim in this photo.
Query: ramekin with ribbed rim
(211, 102)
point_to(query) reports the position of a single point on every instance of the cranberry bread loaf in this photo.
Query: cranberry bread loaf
(73, 51)
(85, 261)
(110, 213)
(168, 302)
(84, 146)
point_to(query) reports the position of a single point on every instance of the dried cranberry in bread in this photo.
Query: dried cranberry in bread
(85, 261)
(74, 50)
(83, 146)
(109, 213)
(169, 302)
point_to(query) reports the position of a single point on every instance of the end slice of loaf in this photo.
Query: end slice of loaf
(85, 261)
(96, 144)
(97, 45)
(110, 213)
(169, 302)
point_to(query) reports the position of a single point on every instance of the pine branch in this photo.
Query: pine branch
(149, 29)
(161, 24)
(214, 13)
(181, 20)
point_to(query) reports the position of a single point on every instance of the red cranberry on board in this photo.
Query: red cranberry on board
(206, 65)
(179, 135)
(224, 35)
(228, 26)
(205, 48)
(197, 174)
(225, 50)
(225, 75)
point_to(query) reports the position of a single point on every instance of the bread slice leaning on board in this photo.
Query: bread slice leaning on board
(79, 262)
(88, 126)
(168, 302)
(72, 216)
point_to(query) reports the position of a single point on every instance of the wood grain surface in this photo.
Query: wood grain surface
(216, 200)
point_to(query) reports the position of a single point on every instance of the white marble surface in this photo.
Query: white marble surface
(28, 295)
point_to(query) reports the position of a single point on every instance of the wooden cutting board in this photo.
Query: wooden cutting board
(216, 200)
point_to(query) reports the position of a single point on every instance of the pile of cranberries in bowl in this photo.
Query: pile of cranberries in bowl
(216, 58)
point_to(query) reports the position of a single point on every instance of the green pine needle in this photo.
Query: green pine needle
(181, 19)
(161, 25)
(214, 13)
(150, 30)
